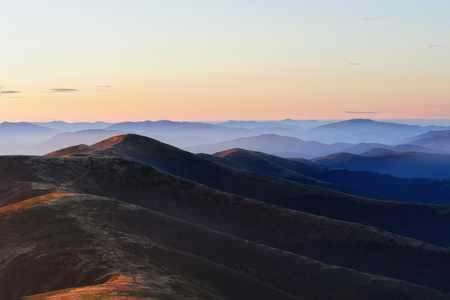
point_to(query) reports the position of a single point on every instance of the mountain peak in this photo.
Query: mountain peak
(111, 141)
(229, 151)
(360, 121)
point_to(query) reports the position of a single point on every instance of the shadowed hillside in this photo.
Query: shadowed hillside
(61, 241)
(340, 243)
(366, 184)
(104, 246)
(405, 164)
(423, 222)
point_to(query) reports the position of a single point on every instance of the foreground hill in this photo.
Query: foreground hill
(404, 164)
(67, 238)
(429, 223)
(366, 184)
(84, 240)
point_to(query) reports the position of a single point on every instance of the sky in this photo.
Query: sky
(211, 60)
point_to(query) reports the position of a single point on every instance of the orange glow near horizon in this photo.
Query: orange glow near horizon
(215, 62)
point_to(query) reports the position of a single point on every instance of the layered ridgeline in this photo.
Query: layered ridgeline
(405, 164)
(106, 219)
(420, 221)
(366, 184)
(185, 240)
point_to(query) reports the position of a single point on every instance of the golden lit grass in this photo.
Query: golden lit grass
(118, 287)
(12, 209)
(70, 151)
(110, 142)
(226, 152)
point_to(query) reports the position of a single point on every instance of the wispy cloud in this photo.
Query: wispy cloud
(9, 92)
(60, 91)
(104, 86)
(361, 112)
(375, 18)
(6, 94)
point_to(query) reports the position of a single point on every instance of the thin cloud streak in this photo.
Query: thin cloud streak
(60, 90)
(9, 92)
(361, 112)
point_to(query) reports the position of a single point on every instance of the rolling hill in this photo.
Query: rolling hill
(111, 220)
(433, 139)
(402, 164)
(365, 184)
(420, 221)
(366, 130)
(362, 148)
(284, 146)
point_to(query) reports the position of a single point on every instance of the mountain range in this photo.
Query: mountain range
(404, 164)
(366, 130)
(314, 138)
(133, 217)
(365, 184)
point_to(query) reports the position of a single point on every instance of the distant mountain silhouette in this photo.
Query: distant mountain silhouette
(288, 127)
(376, 151)
(433, 133)
(61, 126)
(172, 129)
(287, 123)
(364, 147)
(67, 139)
(365, 130)
(19, 138)
(404, 164)
(150, 126)
(434, 139)
(23, 128)
(274, 144)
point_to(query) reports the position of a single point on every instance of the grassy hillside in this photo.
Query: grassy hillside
(79, 240)
(429, 223)
(91, 242)
(365, 184)
(351, 245)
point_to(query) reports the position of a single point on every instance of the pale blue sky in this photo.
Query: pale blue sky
(218, 60)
